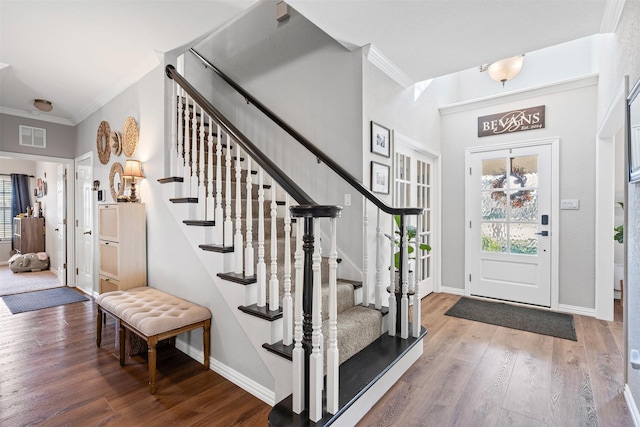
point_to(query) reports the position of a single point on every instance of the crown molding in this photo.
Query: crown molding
(612, 12)
(35, 115)
(386, 66)
(571, 84)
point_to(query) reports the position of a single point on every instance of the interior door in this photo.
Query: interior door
(413, 187)
(84, 225)
(60, 266)
(509, 206)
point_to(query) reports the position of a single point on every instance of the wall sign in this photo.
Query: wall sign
(511, 121)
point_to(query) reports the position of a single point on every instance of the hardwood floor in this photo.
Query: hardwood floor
(475, 374)
(471, 374)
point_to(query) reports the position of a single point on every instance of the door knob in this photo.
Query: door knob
(543, 233)
(87, 232)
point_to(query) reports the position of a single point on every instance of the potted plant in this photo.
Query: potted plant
(411, 238)
(619, 230)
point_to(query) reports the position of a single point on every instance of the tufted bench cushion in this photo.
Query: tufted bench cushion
(151, 311)
(153, 315)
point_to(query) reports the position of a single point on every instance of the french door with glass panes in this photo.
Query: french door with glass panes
(413, 187)
(509, 240)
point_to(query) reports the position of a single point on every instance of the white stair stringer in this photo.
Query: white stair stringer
(257, 330)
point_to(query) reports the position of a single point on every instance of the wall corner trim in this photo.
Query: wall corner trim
(631, 404)
(386, 66)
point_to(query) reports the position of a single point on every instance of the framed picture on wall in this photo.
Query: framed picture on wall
(380, 178)
(380, 140)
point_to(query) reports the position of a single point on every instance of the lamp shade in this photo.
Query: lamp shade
(506, 69)
(133, 169)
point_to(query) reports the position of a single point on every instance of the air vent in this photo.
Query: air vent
(33, 137)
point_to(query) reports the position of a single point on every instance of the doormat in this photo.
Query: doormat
(30, 301)
(515, 317)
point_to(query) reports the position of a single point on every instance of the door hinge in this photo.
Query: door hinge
(77, 272)
(64, 221)
(469, 171)
(469, 277)
(76, 175)
(469, 224)
(64, 266)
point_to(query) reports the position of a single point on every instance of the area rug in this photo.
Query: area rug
(30, 301)
(515, 317)
(16, 283)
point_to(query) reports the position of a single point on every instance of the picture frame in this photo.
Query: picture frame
(633, 133)
(380, 178)
(380, 140)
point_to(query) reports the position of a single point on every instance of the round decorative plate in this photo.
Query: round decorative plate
(116, 184)
(103, 142)
(116, 143)
(129, 136)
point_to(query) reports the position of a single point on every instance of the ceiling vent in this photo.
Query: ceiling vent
(33, 137)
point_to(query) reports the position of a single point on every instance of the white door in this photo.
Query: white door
(509, 240)
(60, 266)
(413, 187)
(84, 224)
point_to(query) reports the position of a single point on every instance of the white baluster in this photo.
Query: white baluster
(173, 159)
(315, 359)
(365, 258)
(180, 163)
(261, 267)
(333, 354)
(298, 351)
(193, 159)
(248, 253)
(417, 275)
(404, 300)
(392, 287)
(228, 224)
(237, 238)
(187, 144)
(274, 284)
(378, 290)
(287, 309)
(210, 192)
(219, 213)
(201, 159)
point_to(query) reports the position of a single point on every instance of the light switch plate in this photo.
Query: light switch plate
(570, 204)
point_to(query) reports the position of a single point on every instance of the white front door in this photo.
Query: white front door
(509, 239)
(413, 187)
(60, 266)
(84, 224)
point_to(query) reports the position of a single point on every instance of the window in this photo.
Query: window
(33, 137)
(5, 208)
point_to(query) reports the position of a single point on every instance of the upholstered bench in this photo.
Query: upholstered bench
(153, 315)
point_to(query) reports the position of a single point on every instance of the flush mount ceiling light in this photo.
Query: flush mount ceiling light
(505, 69)
(43, 105)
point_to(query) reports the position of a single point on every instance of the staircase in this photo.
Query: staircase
(258, 235)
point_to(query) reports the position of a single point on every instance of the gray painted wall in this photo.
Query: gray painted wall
(571, 116)
(60, 138)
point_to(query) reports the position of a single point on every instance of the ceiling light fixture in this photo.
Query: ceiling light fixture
(43, 105)
(505, 69)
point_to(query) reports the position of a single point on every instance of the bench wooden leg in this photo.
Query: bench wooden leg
(151, 343)
(206, 340)
(99, 327)
(122, 343)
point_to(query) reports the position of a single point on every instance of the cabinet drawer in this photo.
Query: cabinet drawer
(109, 259)
(108, 228)
(108, 285)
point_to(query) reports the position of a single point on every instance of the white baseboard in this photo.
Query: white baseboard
(631, 404)
(454, 291)
(247, 384)
(573, 309)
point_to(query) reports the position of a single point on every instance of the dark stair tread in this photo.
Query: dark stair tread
(238, 278)
(285, 351)
(216, 248)
(357, 375)
(261, 312)
(184, 200)
(170, 179)
(200, 222)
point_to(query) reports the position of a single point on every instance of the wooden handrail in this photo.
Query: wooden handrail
(319, 154)
(254, 152)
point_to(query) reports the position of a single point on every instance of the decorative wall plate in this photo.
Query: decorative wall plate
(116, 143)
(116, 183)
(103, 142)
(129, 136)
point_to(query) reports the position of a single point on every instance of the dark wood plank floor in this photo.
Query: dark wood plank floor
(475, 374)
(471, 374)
